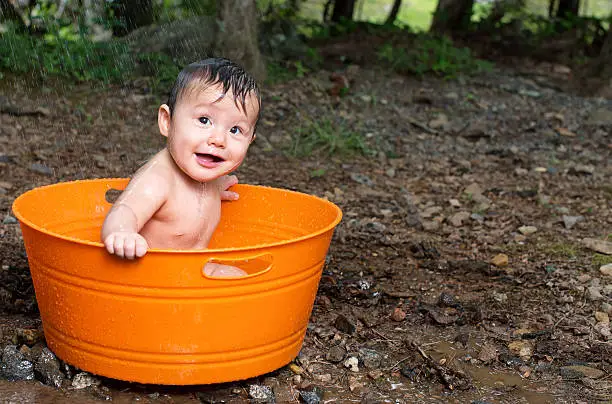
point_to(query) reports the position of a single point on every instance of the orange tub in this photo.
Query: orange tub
(159, 319)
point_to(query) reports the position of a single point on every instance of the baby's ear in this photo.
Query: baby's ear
(163, 119)
(253, 138)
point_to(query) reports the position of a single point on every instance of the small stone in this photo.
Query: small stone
(29, 336)
(459, 218)
(431, 225)
(47, 369)
(594, 293)
(584, 278)
(84, 380)
(344, 324)
(499, 297)
(454, 203)
(398, 314)
(431, 211)
(601, 246)
(500, 260)
(362, 179)
(580, 371)
(352, 363)
(488, 353)
(313, 396)
(261, 394)
(540, 169)
(325, 378)
(440, 122)
(355, 385)
(473, 189)
(14, 366)
(604, 330)
(527, 230)
(375, 374)
(606, 270)
(370, 358)
(570, 221)
(335, 354)
(8, 219)
(602, 317)
(41, 169)
(606, 307)
(523, 349)
(521, 171)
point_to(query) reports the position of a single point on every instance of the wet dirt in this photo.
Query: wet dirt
(462, 171)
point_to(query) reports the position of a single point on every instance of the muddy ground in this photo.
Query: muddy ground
(459, 272)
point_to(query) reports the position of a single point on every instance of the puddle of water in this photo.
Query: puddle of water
(484, 377)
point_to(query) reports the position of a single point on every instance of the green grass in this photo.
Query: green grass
(563, 250)
(326, 137)
(601, 259)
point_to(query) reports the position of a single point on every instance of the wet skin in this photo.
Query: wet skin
(174, 200)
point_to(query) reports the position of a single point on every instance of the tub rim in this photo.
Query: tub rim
(207, 251)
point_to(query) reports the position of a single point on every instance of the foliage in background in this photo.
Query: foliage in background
(80, 59)
(326, 137)
(432, 55)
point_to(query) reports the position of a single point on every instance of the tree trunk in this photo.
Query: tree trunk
(237, 37)
(568, 8)
(397, 4)
(451, 16)
(132, 14)
(343, 9)
(603, 63)
(8, 12)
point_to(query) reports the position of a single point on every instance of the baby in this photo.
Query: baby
(174, 200)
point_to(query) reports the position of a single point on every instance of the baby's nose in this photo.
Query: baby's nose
(217, 138)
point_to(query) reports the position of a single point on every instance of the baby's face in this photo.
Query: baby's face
(208, 136)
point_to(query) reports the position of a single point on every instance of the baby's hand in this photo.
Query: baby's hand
(224, 183)
(126, 244)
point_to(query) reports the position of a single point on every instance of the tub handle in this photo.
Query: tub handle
(254, 266)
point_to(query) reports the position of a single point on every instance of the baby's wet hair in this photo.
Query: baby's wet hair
(213, 71)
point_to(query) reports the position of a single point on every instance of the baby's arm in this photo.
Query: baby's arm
(144, 195)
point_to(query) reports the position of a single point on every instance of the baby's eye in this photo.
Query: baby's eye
(235, 130)
(204, 120)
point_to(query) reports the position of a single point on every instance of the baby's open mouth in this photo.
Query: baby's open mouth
(209, 157)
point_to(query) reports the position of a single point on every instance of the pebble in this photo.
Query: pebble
(606, 270)
(352, 363)
(335, 354)
(524, 349)
(606, 307)
(314, 396)
(362, 179)
(83, 380)
(398, 314)
(570, 221)
(594, 293)
(344, 324)
(14, 366)
(370, 358)
(580, 371)
(604, 330)
(8, 219)
(601, 246)
(602, 317)
(500, 260)
(261, 394)
(47, 369)
(458, 218)
(41, 169)
(527, 230)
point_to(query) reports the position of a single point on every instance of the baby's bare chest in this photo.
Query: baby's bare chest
(185, 222)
